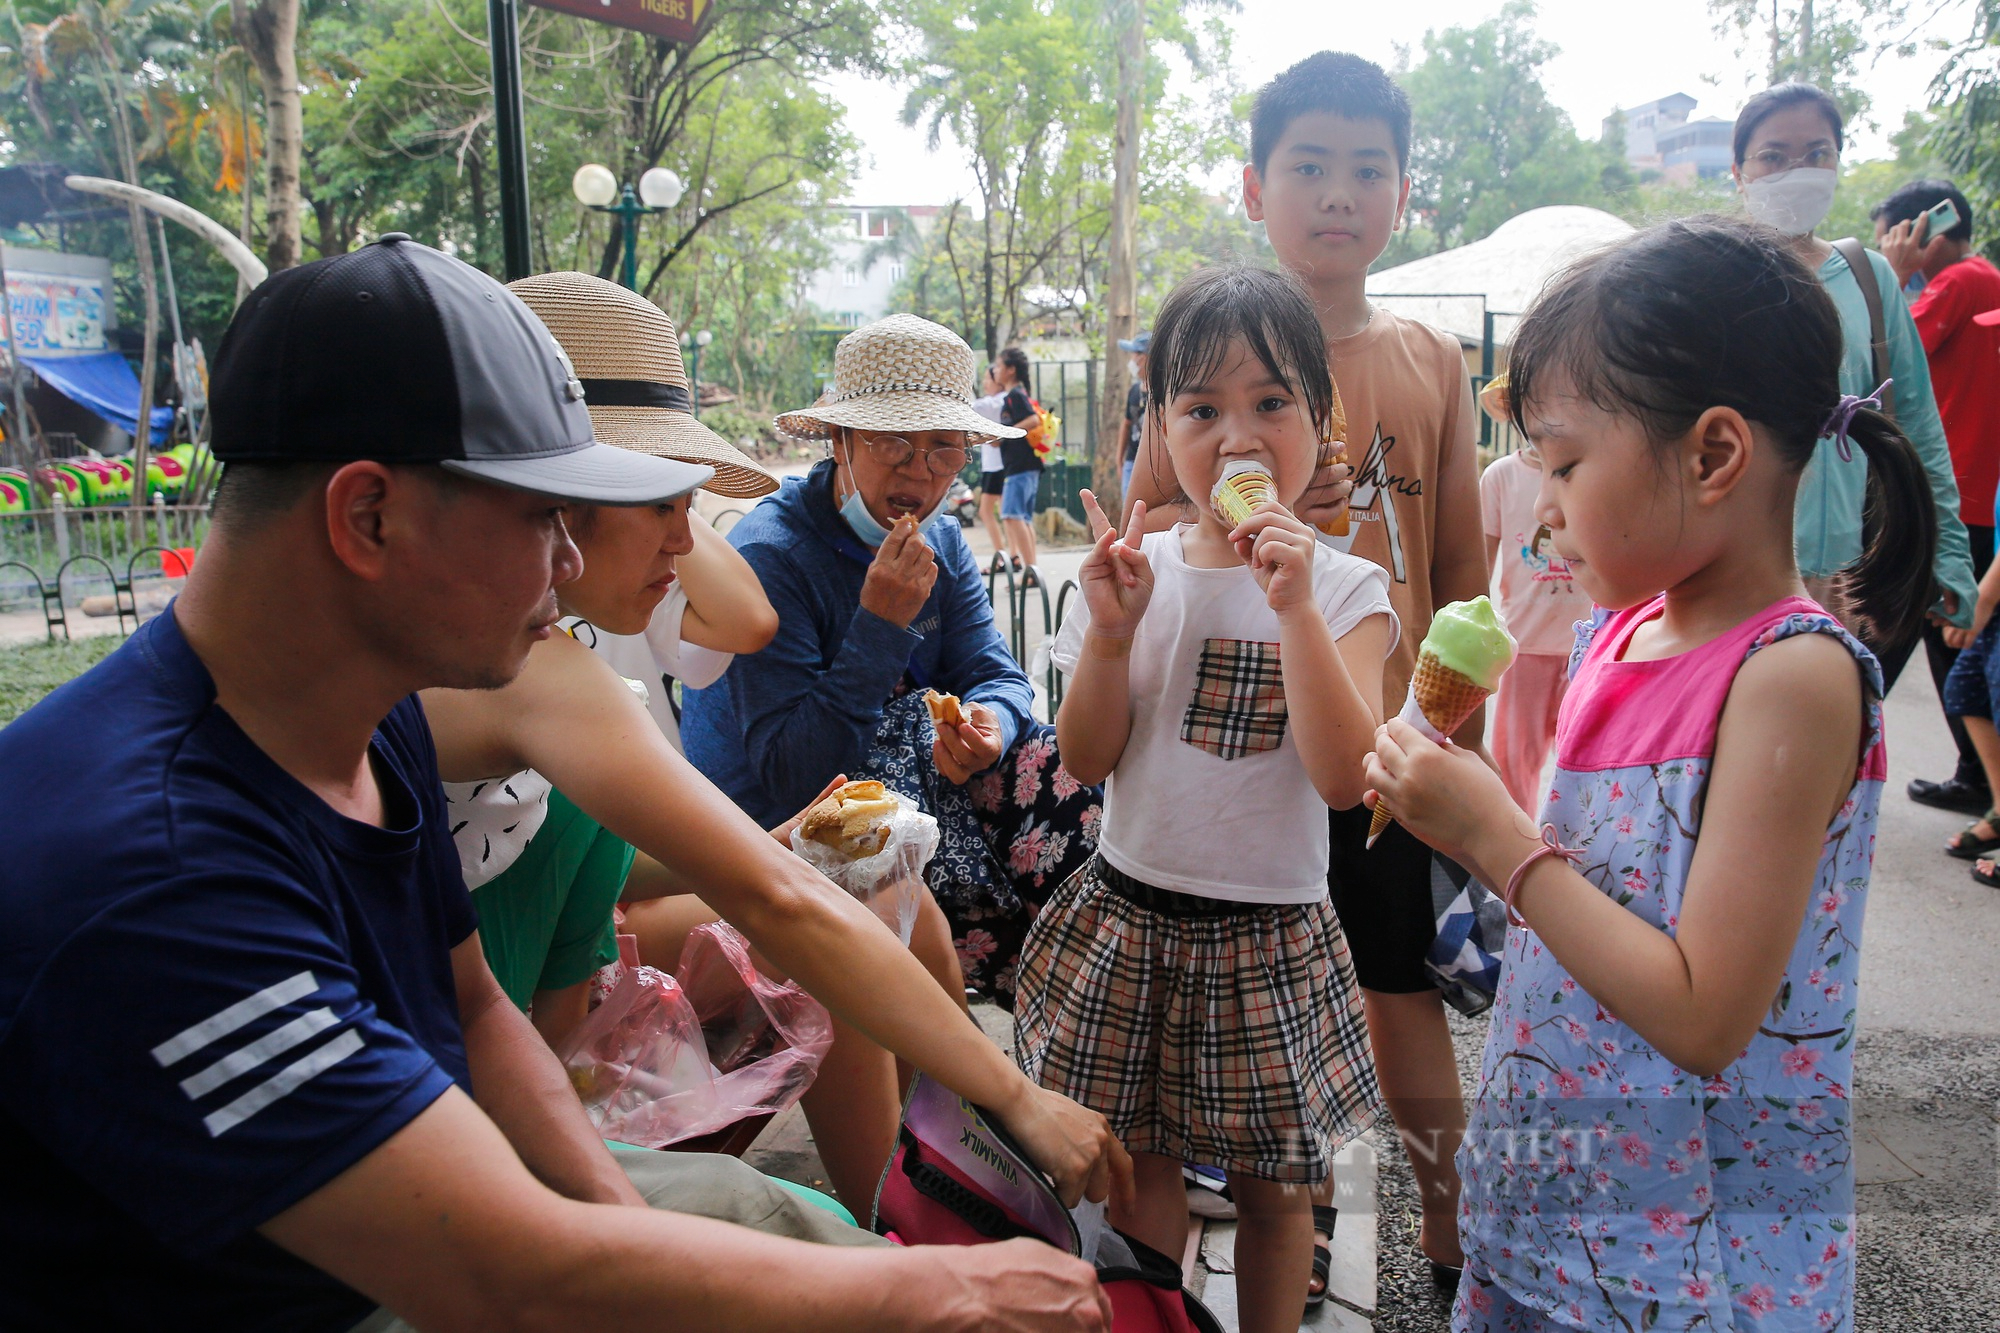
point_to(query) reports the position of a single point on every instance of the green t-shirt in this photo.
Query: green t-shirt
(545, 921)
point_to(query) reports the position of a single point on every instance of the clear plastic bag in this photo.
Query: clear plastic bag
(889, 882)
(667, 1058)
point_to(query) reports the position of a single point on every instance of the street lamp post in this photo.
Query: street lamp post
(596, 188)
(696, 342)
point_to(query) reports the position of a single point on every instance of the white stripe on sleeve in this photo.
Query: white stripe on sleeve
(268, 1047)
(282, 1084)
(226, 1021)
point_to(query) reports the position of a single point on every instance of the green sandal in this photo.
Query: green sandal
(1968, 848)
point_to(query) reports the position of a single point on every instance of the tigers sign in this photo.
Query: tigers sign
(675, 20)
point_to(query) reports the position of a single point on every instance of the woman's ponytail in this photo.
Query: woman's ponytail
(1891, 588)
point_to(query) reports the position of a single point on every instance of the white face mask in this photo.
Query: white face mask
(1793, 201)
(1132, 368)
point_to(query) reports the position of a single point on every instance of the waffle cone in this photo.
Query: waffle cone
(1336, 444)
(1238, 495)
(1446, 700)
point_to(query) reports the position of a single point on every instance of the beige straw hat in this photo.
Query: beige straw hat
(899, 373)
(628, 357)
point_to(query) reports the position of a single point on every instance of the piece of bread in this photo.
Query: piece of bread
(944, 708)
(854, 820)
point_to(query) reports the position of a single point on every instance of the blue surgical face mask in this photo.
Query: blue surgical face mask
(871, 533)
(863, 524)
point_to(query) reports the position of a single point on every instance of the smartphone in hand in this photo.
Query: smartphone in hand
(1941, 219)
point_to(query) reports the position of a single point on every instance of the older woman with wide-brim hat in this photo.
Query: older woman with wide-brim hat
(879, 599)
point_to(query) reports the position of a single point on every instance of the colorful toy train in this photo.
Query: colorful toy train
(87, 482)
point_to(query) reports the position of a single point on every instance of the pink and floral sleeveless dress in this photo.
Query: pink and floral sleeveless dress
(1606, 1187)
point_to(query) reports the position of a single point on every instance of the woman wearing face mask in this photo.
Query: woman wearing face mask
(1787, 152)
(877, 603)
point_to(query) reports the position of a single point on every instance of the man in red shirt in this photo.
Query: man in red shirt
(1955, 285)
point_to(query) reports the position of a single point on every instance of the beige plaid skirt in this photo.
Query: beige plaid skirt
(1230, 1038)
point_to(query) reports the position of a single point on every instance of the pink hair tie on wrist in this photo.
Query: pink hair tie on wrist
(1549, 847)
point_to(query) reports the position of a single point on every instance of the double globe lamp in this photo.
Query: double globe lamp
(596, 187)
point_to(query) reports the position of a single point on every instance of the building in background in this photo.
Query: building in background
(1699, 149)
(871, 252)
(1644, 124)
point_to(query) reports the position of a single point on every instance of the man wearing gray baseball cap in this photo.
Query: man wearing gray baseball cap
(244, 1013)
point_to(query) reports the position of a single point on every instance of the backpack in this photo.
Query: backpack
(956, 1178)
(1042, 428)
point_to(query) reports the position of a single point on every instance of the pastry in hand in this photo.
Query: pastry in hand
(945, 710)
(854, 820)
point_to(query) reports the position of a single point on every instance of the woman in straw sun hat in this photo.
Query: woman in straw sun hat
(877, 602)
(628, 358)
(555, 778)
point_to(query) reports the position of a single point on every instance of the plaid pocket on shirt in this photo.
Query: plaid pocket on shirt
(1238, 707)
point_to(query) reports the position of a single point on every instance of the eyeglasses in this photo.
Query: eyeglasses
(894, 451)
(1771, 160)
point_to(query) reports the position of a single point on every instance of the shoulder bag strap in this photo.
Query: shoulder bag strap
(1878, 334)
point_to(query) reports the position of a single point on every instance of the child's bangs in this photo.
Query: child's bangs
(1197, 335)
(1576, 331)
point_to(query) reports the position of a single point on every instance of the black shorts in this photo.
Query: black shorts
(992, 483)
(1382, 896)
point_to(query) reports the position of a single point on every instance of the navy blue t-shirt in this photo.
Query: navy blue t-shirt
(216, 994)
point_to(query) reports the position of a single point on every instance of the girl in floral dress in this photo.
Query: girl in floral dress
(1191, 982)
(1662, 1137)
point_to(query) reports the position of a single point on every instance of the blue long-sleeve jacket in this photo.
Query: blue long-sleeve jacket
(777, 727)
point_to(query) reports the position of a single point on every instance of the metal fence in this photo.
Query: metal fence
(53, 558)
(1069, 389)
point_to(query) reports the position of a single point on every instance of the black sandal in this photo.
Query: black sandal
(1968, 848)
(1986, 872)
(1324, 1217)
(1444, 1276)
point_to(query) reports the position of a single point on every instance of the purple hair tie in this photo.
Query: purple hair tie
(1842, 416)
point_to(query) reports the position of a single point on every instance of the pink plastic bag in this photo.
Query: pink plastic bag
(668, 1058)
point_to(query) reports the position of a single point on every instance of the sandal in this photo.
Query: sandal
(1444, 1276)
(1323, 1220)
(1987, 872)
(1967, 847)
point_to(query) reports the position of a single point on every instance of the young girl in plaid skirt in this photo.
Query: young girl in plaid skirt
(1191, 982)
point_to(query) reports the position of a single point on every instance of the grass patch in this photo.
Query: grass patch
(32, 670)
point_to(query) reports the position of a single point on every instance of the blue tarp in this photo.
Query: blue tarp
(102, 382)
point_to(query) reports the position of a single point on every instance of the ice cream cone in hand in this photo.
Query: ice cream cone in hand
(1461, 661)
(1334, 450)
(1243, 487)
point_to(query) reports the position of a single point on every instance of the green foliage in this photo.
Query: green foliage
(30, 671)
(1966, 136)
(737, 424)
(1488, 143)
(1027, 89)
(397, 109)
(1821, 42)
(1865, 184)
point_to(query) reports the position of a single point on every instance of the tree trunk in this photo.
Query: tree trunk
(1805, 61)
(1120, 316)
(112, 84)
(269, 31)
